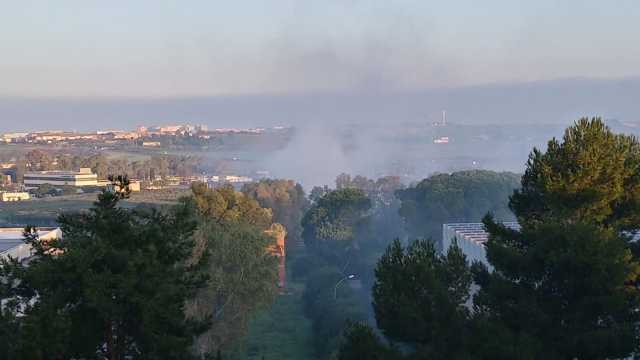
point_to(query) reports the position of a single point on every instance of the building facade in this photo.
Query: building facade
(84, 177)
(14, 196)
(471, 238)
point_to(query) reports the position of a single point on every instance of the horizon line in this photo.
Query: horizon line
(337, 92)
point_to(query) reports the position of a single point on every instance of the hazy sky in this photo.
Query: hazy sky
(184, 48)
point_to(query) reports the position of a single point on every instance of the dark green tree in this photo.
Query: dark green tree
(330, 309)
(385, 218)
(420, 298)
(361, 343)
(592, 175)
(318, 192)
(242, 273)
(559, 290)
(114, 287)
(464, 196)
(563, 287)
(337, 216)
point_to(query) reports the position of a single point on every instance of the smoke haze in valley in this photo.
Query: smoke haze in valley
(549, 102)
(364, 133)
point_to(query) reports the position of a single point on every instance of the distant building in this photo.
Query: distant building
(5, 178)
(441, 140)
(14, 196)
(14, 137)
(134, 185)
(237, 179)
(262, 174)
(151, 143)
(84, 177)
(471, 238)
(56, 136)
(121, 135)
(171, 129)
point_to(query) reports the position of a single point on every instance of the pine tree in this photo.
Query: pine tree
(115, 285)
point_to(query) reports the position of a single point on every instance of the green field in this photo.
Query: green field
(38, 212)
(280, 332)
(44, 212)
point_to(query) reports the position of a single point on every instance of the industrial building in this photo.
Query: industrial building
(14, 196)
(471, 238)
(84, 177)
(12, 244)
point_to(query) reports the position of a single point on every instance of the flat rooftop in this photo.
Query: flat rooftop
(475, 232)
(60, 172)
(16, 232)
(9, 244)
(12, 237)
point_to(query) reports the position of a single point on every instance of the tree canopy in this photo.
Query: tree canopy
(233, 234)
(336, 216)
(464, 196)
(592, 175)
(386, 222)
(562, 290)
(113, 287)
(420, 298)
(173, 283)
(564, 286)
(287, 201)
(360, 342)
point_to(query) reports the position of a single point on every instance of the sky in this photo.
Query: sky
(157, 49)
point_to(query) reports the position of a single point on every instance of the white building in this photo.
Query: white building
(12, 244)
(13, 137)
(237, 179)
(471, 238)
(14, 196)
(84, 177)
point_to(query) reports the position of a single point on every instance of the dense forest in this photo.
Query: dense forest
(563, 287)
(365, 266)
(156, 166)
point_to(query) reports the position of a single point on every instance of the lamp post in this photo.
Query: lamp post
(335, 288)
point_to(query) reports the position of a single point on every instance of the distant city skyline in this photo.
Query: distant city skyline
(74, 48)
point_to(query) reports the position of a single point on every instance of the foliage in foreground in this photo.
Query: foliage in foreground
(114, 287)
(563, 287)
(458, 197)
(242, 274)
(143, 283)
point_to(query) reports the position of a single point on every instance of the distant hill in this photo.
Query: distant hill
(551, 102)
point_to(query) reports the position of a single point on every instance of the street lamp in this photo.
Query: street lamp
(335, 288)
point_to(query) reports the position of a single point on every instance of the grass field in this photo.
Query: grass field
(38, 212)
(44, 212)
(280, 332)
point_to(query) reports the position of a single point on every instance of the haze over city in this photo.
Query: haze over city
(167, 49)
(320, 180)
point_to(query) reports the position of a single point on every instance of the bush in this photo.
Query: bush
(330, 314)
(302, 266)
